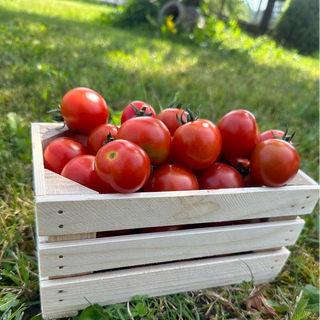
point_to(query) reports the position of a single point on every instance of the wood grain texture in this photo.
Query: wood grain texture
(69, 294)
(60, 259)
(92, 213)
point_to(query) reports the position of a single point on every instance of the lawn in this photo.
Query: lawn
(50, 47)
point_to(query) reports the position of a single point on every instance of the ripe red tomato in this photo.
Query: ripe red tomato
(98, 135)
(84, 109)
(235, 162)
(197, 144)
(168, 117)
(171, 177)
(268, 134)
(123, 165)
(240, 133)
(170, 158)
(274, 162)
(129, 112)
(219, 176)
(81, 170)
(150, 134)
(249, 181)
(60, 151)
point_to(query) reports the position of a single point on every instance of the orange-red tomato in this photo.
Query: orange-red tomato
(274, 162)
(219, 176)
(129, 112)
(171, 177)
(169, 118)
(98, 135)
(150, 134)
(60, 151)
(240, 133)
(123, 165)
(197, 144)
(84, 109)
(81, 170)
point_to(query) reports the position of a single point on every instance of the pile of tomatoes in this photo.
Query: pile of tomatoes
(171, 151)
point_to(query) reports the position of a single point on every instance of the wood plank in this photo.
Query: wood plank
(120, 211)
(66, 296)
(56, 184)
(60, 259)
(37, 159)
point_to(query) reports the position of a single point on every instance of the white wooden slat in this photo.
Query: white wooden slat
(92, 213)
(56, 184)
(66, 296)
(72, 257)
(37, 159)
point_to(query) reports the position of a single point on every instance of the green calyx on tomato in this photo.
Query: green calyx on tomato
(171, 105)
(190, 115)
(286, 136)
(109, 139)
(140, 113)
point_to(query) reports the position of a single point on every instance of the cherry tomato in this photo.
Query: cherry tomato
(84, 109)
(129, 112)
(171, 177)
(274, 162)
(168, 117)
(98, 135)
(249, 181)
(123, 165)
(150, 134)
(60, 151)
(268, 134)
(170, 158)
(240, 133)
(197, 144)
(235, 162)
(219, 176)
(81, 170)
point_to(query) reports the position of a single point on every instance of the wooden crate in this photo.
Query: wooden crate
(76, 267)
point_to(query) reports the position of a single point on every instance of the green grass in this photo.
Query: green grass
(50, 47)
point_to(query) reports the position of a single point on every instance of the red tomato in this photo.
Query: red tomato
(123, 165)
(274, 162)
(60, 151)
(268, 134)
(197, 144)
(171, 177)
(150, 134)
(219, 176)
(235, 162)
(83, 109)
(98, 135)
(81, 170)
(170, 158)
(249, 181)
(240, 133)
(168, 117)
(129, 112)
(160, 229)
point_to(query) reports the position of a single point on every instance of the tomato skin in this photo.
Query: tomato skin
(197, 144)
(171, 177)
(84, 109)
(268, 134)
(249, 181)
(129, 112)
(98, 135)
(122, 165)
(169, 118)
(240, 133)
(60, 151)
(219, 176)
(274, 162)
(81, 170)
(150, 134)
